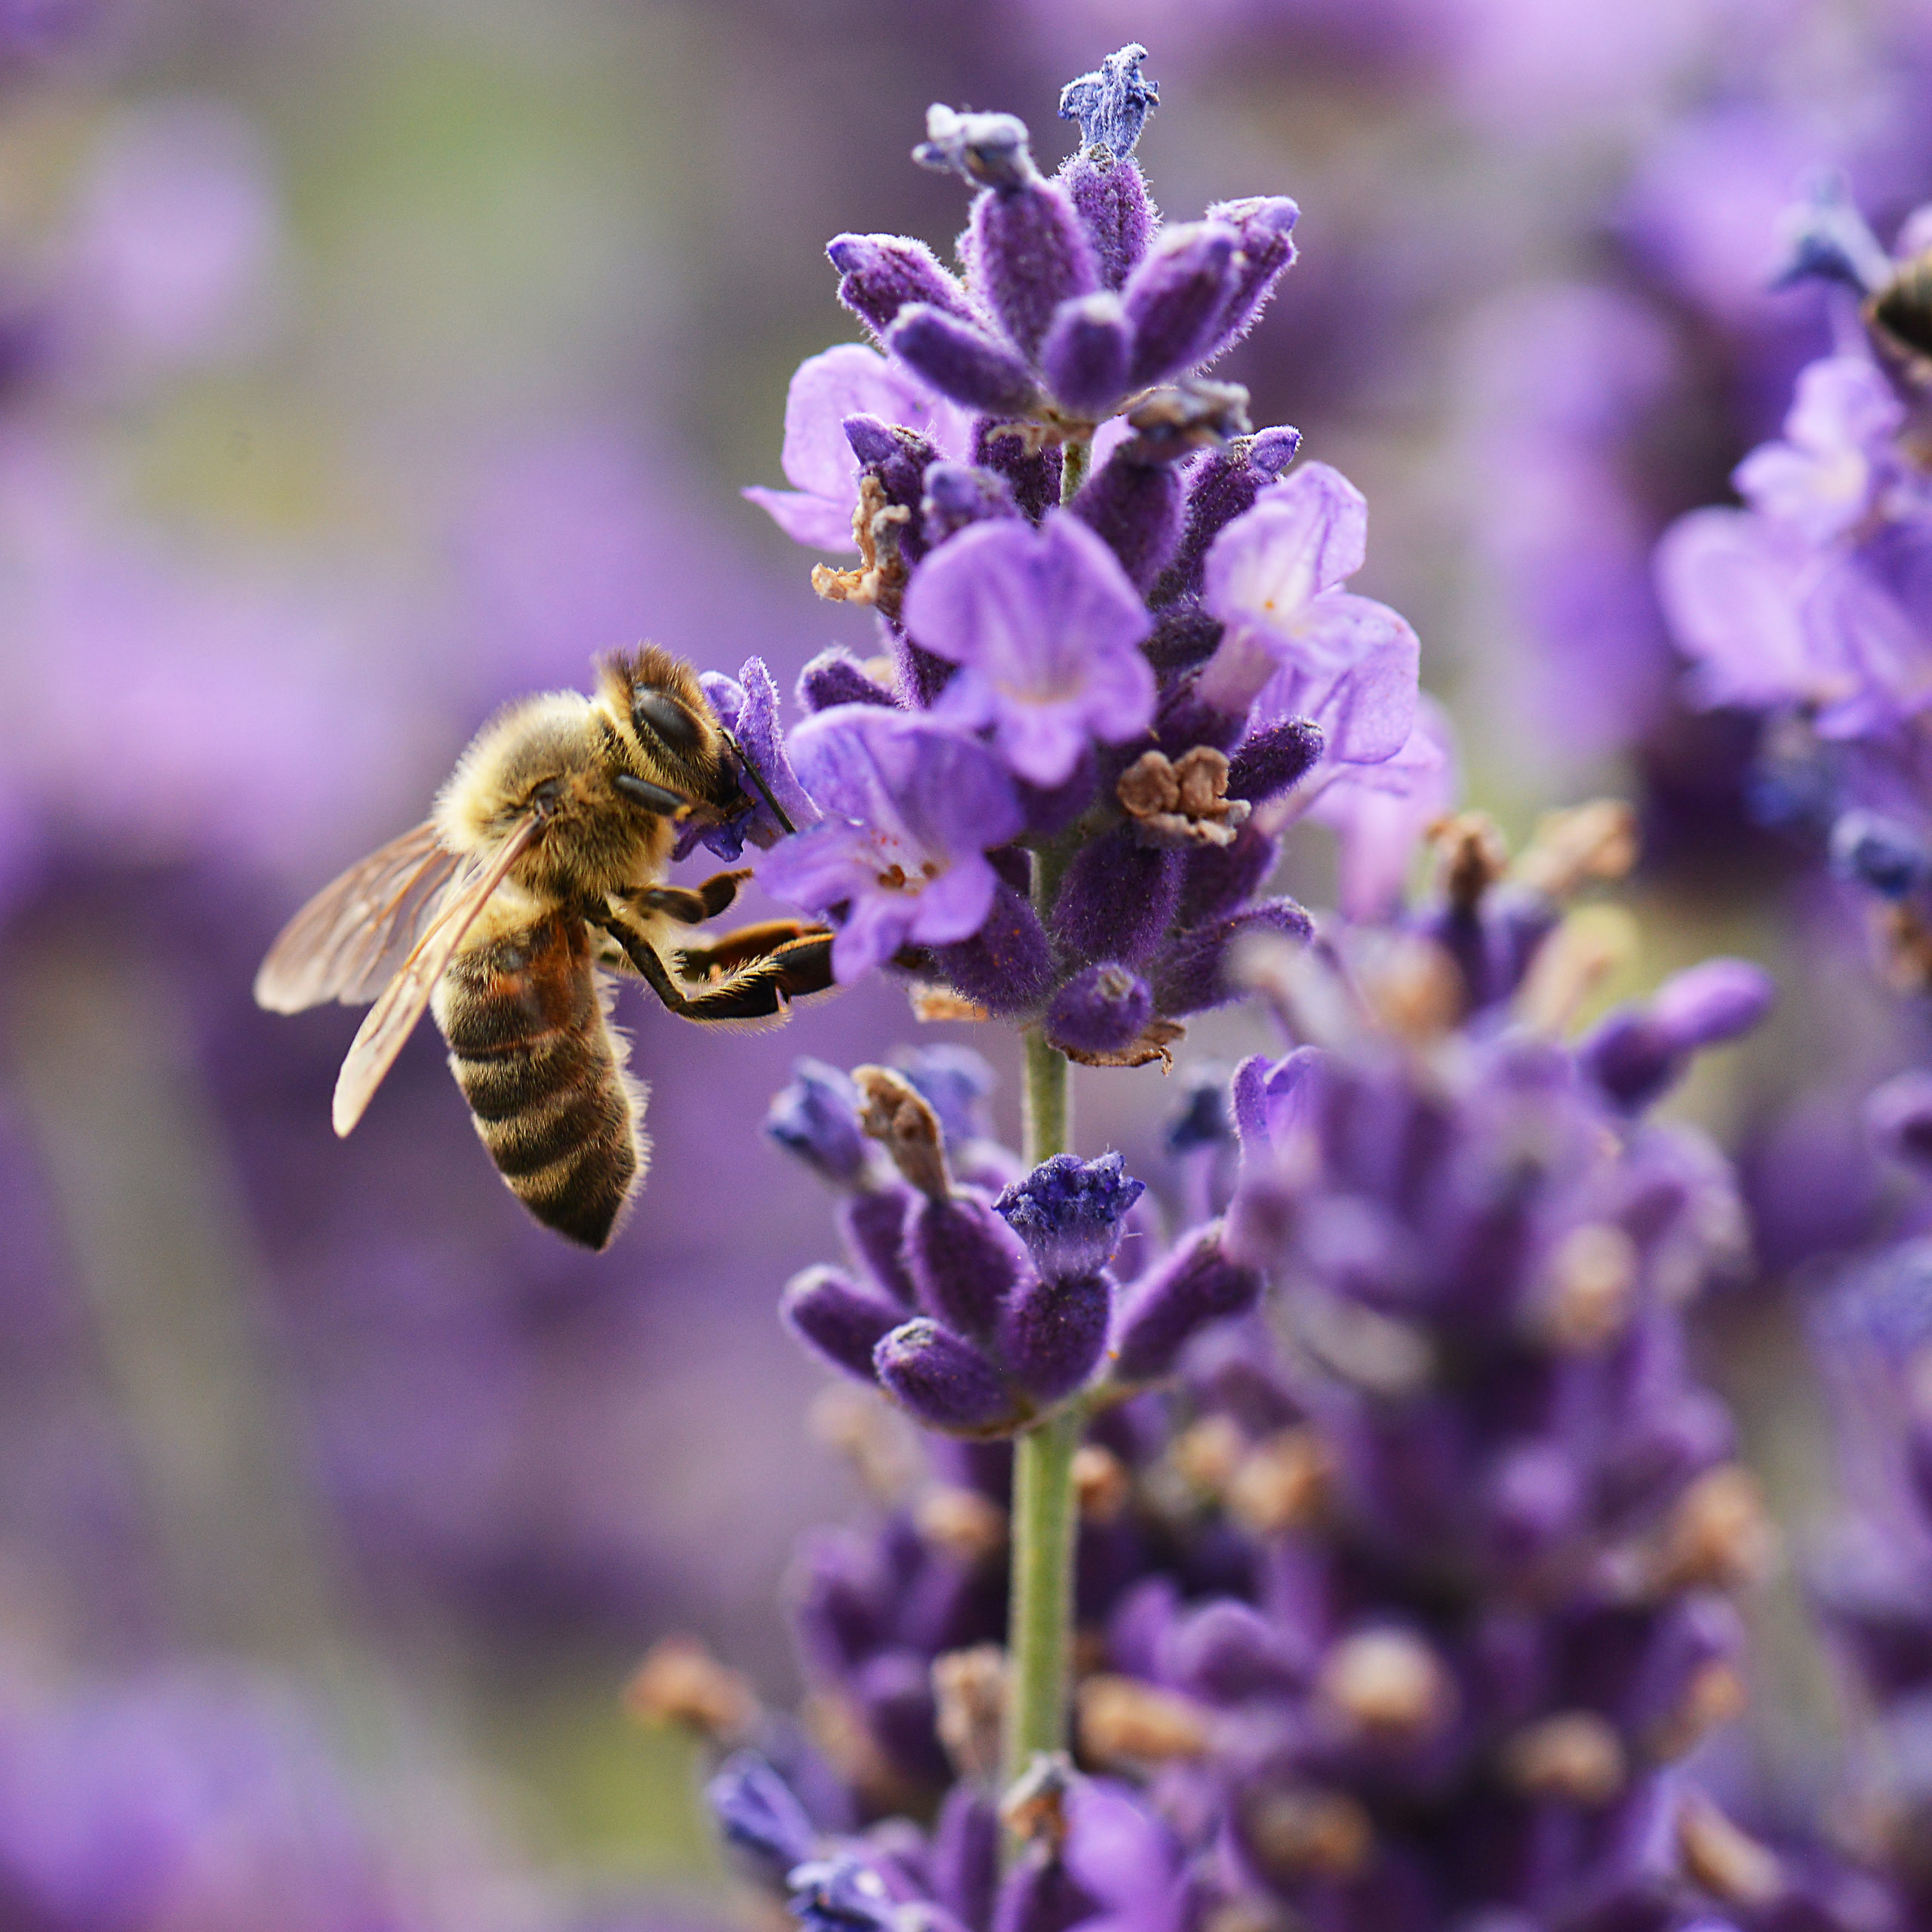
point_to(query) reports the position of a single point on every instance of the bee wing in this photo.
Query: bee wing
(393, 1017)
(347, 943)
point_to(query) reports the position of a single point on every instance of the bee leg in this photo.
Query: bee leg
(690, 906)
(740, 946)
(759, 989)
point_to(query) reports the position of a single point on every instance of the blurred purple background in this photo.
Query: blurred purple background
(363, 366)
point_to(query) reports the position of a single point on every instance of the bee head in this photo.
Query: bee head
(670, 736)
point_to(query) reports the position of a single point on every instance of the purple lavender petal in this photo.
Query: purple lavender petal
(1047, 627)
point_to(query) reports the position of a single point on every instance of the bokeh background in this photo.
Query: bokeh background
(363, 366)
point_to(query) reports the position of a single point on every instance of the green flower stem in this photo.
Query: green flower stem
(1040, 1619)
(1075, 459)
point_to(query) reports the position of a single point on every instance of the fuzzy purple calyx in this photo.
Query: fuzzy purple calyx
(1117, 899)
(836, 677)
(1196, 1285)
(961, 360)
(880, 273)
(1068, 1212)
(1086, 354)
(1112, 104)
(1175, 299)
(816, 1117)
(1193, 973)
(1100, 1010)
(844, 1322)
(959, 493)
(941, 1380)
(1053, 1331)
(1029, 255)
(963, 1261)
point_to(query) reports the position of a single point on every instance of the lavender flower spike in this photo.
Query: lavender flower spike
(1069, 1213)
(1112, 104)
(1048, 630)
(911, 810)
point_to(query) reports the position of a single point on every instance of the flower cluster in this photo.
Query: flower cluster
(1060, 794)
(1813, 604)
(1402, 1606)
(978, 1312)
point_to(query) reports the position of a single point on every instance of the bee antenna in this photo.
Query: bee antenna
(758, 779)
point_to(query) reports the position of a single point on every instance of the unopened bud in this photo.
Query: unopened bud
(1586, 1297)
(897, 1116)
(1308, 1833)
(962, 1522)
(681, 1682)
(1388, 1684)
(1281, 1484)
(1718, 1535)
(1101, 1483)
(1576, 1756)
(1123, 1721)
(969, 1687)
(1728, 1863)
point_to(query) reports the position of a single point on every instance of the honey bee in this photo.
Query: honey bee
(542, 861)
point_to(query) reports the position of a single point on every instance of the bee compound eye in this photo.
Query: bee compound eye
(656, 714)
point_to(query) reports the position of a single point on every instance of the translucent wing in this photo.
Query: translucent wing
(347, 943)
(393, 1017)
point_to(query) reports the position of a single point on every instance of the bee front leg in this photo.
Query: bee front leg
(759, 988)
(688, 906)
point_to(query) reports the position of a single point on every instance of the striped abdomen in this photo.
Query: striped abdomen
(544, 1076)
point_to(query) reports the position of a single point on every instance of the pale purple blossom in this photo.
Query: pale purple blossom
(911, 808)
(1295, 635)
(1837, 452)
(848, 380)
(1047, 630)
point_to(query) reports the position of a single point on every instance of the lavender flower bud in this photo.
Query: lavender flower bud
(961, 360)
(816, 1117)
(1053, 1331)
(1030, 254)
(1197, 1283)
(1262, 225)
(940, 1380)
(1215, 879)
(1274, 758)
(836, 677)
(957, 494)
(1890, 858)
(1117, 899)
(1135, 505)
(894, 1691)
(1175, 298)
(1068, 1212)
(1007, 965)
(832, 1314)
(1192, 975)
(1100, 1010)
(1184, 635)
(1899, 1118)
(1112, 104)
(879, 274)
(1110, 197)
(1033, 475)
(1222, 486)
(873, 1223)
(1226, 1652)
(1085, 355)
(758, 1812)
(964, 1262)
(1042, 1895)
(1636, 1053)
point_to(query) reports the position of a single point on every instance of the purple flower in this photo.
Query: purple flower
(747, 706)
(1379, 812)
(1837, 451)
(1047, 629)
(848, 380)
(1274, 578)
(912, 807)
(1068, 1212)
